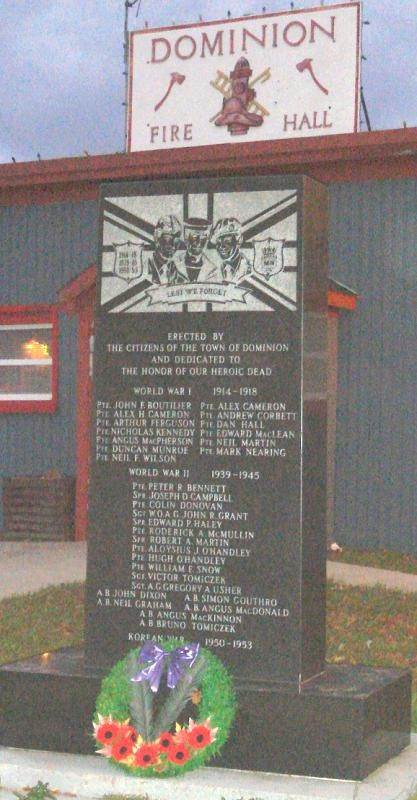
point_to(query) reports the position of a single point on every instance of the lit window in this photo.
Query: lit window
(28, 359)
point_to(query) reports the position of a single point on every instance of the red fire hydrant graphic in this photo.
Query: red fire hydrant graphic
(234, 113)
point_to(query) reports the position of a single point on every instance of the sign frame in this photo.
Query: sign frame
(307, 124)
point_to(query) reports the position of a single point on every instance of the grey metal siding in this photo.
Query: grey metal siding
(373, 248)
(42, 248)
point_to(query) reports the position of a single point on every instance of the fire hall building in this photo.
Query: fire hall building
(49, 244)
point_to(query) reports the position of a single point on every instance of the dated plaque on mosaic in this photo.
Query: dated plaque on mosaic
(207, 497)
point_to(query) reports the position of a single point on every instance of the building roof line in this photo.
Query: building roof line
(390, 146)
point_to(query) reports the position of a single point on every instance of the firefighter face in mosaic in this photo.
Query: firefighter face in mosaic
(227, 238)
(196, 243)
(167, 237)
(196, 237)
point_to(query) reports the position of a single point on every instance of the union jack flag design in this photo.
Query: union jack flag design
(208, 251)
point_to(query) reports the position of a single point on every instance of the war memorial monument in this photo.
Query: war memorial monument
(207, 506)
(208, 492)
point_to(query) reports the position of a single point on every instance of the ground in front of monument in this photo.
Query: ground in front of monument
(87, 777)
(207, 507)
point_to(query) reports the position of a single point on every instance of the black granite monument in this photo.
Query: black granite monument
(208, 490)
(206, 511)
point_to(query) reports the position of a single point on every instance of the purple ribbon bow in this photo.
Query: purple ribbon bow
(157, 657)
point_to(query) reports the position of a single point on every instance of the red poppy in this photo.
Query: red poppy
(108, 732)
(146, 755)
(165, 740)
(129, 732)
(122, 749)
(199, 737)
(178, 754)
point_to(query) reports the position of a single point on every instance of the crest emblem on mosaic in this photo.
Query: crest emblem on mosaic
(269, 258)
(128, 261)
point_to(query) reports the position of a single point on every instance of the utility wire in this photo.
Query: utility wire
(363, 101)
(365, 110)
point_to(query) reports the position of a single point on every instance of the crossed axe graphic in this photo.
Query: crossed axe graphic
(176, 77)
(307, 64)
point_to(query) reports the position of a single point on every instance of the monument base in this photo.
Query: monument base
(343, 724)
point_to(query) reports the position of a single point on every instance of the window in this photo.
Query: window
(28, 359)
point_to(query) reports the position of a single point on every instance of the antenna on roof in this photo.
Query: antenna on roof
(128, 5)
(362, 95)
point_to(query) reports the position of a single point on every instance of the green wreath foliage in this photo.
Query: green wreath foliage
(218, 704)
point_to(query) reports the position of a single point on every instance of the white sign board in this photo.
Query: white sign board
(275, 76)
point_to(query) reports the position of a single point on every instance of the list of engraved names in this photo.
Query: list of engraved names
(194, 433)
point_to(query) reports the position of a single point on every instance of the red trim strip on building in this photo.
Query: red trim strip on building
(341, 300)
(84, 411)
(380, 155)
(69, 296)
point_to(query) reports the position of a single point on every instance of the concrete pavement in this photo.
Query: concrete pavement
(92, 777)
(29, 566)
(357, 575)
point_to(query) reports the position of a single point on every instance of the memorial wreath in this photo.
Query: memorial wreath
(164, 709)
